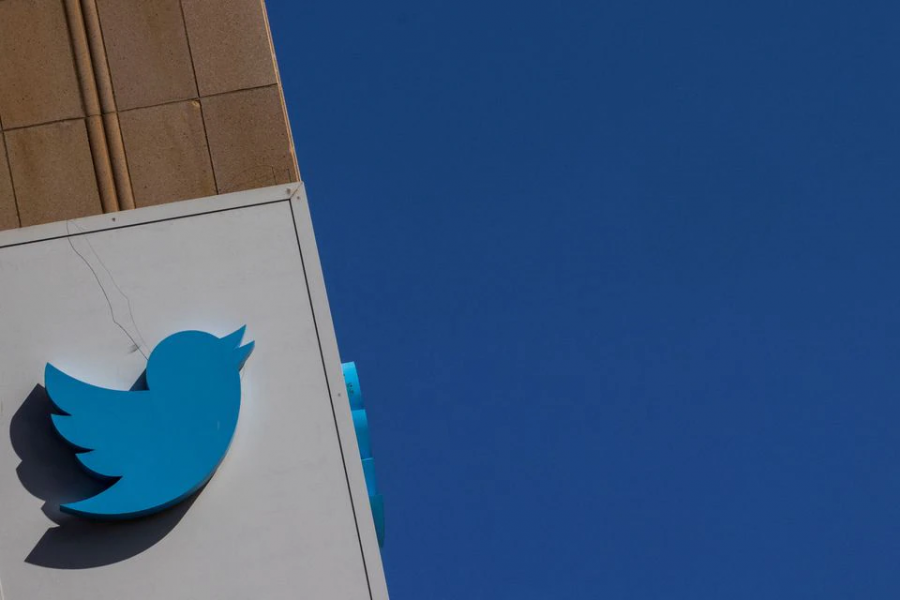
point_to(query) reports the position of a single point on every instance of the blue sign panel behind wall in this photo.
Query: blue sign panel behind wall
(159, 443)
(361, 424)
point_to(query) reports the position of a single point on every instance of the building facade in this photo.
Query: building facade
(113, 105)
(107, 105)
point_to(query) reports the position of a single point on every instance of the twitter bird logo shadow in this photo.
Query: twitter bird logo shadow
(50, 472)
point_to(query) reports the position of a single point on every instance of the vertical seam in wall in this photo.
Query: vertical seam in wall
(121, 173)
(12, 183)
(187, 35)
(81, 54)
(107, 93)
(90, 102)
(103, 75)
(212, 167)
(103, 170)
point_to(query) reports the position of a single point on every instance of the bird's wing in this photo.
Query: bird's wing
(100, 423)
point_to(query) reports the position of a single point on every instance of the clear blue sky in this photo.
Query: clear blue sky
(622, 280)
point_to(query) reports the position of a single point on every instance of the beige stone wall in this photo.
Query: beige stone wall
(108, 105)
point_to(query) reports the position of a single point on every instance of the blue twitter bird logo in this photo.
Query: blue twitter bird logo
(159, 444)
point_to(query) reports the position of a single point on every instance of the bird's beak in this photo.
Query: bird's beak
(241, 353)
